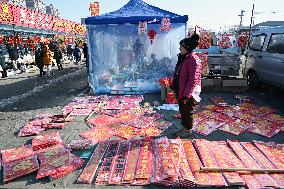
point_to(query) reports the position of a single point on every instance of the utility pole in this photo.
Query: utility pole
(241, 16)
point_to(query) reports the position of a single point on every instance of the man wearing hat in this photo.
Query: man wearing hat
(187, 82)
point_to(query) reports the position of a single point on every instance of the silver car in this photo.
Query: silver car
(264, 62)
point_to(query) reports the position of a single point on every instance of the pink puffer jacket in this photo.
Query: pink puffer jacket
(190, 75)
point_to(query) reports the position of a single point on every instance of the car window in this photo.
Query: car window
(256, 42)
(276, 44)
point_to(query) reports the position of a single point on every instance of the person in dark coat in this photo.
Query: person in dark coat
(3, 64)
(14, 56)
(39, 60)
(77, 54)
(70, 52)
(86, 55)
(58, 57)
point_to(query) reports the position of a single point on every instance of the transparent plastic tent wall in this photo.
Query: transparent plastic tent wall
(123, 61)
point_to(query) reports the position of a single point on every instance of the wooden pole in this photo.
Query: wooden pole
(230, 169)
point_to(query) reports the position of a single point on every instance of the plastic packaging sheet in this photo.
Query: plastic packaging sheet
(123, 62)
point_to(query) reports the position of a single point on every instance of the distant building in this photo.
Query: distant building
(51, 10)
(37, 5)
(21, 3)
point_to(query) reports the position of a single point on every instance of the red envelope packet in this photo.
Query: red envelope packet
(103, 120)
(88, 174)
(48, 153)
(207, 126)
(97, 134)
(266, 128)
(150, 132)
(17, 153)
(77, 112)
(46, 140)
(19, 167)
(82, 144)
(59, 166)
(126, 132)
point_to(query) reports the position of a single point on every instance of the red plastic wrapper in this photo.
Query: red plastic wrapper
(263, 162)
(107, 163)
(171, 99)
(103, 120)
(48, 153)
(208, 160)
(97, 134)
(263, 179)
(54, 126)
(266, 128)
(67, 110)
(18, 153)
(77, 112)
(203, 58)
(232, 178)
(166, 81)
(47, 140)
(131, 162)
(126, 132)
(207, 126)
(87, 175)
(144, 164)
(202, 178)
(242, 40)
(117, 172)
(225, 42)
(59, 166)
(82, 144)
(19, 167)
(275, 118)
(205, 39)
(30, 129)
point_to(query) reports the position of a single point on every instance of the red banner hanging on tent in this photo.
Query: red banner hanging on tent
(94, 8)
(205, 38)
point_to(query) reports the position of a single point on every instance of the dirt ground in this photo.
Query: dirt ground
(73, 82)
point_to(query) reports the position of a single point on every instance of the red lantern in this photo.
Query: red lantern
(152, 34)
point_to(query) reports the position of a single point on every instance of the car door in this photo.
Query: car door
(254, 53)
(273, 59)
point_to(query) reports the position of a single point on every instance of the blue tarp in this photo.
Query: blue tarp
(134, 12)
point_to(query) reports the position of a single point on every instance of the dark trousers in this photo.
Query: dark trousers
(4, 73)
(186, 108)
(41, 72)
(59, 64)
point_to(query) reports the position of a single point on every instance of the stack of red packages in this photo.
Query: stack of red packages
(132, 99)
(59, 166)
(232, 178)
(108, 162)
(266, 128)
(260, 158)
(18, 162)
(126, 132)
(81, 112)
(150, 132)
(30, 129)
(208, 160)
(103, 120)
(203, 57)
(207, 126)
(91, 168)
(144, 164)
(131, 161)
(169, 171)
(48, 153)
(263, 179)
(205, 39)
(202, 178)
(166, 81)
(47, 140)
(83, 144)
(117, 172)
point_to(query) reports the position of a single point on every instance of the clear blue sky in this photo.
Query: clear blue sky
(205, 13)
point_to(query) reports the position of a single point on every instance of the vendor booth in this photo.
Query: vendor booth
(131, 48)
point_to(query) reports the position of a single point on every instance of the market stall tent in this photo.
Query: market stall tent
(124, 62)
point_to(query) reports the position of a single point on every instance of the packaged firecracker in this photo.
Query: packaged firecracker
(150, 132)
(132, 99)
(97, 134)
(144, 164)
(59, 166)
(46, 140)
(87, 175)
(131, 162)
(108, 162)
(50, 152)
(126, 132)
(117, 172)
(83, 144)
(30, 129)
(18, 162)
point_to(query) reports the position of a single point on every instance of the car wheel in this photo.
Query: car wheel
(253, 81)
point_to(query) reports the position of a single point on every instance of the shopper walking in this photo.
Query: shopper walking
(14, 56)
(187, 82)
(86, 55)
(39, 60)
(47, 59)
(77, 54)
(58, 57)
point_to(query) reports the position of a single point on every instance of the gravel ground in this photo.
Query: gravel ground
(33, 95)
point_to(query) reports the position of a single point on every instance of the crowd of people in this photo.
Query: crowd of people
(43, 57)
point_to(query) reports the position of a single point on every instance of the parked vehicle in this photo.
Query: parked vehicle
(264, 62)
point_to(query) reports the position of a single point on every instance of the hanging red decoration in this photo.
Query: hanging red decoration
(152, 34)
(1, 39)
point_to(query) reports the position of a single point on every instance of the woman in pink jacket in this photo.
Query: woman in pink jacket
(187, 82)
